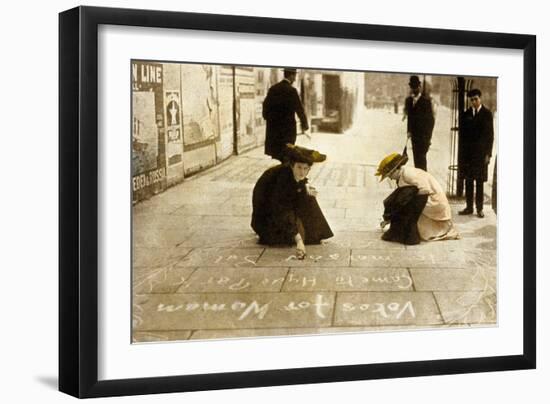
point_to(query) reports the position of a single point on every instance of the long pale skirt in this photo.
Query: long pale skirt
(432, 230)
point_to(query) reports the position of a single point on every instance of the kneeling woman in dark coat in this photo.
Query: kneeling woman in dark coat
(285, 211)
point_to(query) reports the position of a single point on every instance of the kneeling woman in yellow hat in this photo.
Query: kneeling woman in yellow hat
(285, 211)
(418, 209)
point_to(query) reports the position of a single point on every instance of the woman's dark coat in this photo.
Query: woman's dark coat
(282, 208)
(402, 208)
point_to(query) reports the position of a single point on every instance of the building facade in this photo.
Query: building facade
(189, 117)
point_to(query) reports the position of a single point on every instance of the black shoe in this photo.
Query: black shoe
(390, 235)
(412, 241)
(480, 214)
(467, 211)
(387, 236)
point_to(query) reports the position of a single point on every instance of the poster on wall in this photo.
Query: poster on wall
(225, 100)
(148, 145)
(174, 138)
(245, 106)
(261, 84)
(144, 133)
(199, 99)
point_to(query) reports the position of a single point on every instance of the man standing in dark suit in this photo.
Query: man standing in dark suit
(475, 150)
(420, 122)
(280, 106)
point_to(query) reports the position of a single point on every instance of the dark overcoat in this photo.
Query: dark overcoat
(475, 143)
(279, 203)
(279, 108)
(420, 120)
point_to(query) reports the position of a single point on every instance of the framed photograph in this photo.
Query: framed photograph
(251, 201)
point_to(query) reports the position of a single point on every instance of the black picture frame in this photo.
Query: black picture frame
(78, 201)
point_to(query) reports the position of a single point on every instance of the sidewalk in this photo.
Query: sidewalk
(199, 272)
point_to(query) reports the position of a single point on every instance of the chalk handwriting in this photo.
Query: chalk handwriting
(318, 304)
(235, 260)
(303, 281)
(401, 281)
(246, 309)
(253, 309)
(410, 257)
(384, 310)
(330, 257)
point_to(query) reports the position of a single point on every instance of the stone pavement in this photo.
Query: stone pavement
(199, 272)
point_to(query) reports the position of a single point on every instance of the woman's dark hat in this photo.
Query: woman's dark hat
(414, 82)
(302, 155)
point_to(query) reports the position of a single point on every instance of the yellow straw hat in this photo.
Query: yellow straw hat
(390, 163)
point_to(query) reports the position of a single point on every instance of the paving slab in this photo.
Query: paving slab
(160, 280)
(484, 325)
(406, 259)
(355, 224)
(144, 222)
(386, 308)
(196, 186)
(352, 201)
(235, 280)
(160, 336)
(453, 279)
(326, 201)
(283, 332)
(222, 238)
(439, 246)
(222, 257)
(317, 256)
(155, 257)
(362, 240)
(468, 307)
(331, 214)
(232, 189)
(161, 237)
(363, 211)
(232, 311)
(243, 201)
(182, 197)
(475, 245)
(154, 206)
(213, 209)
(481, 258)
(364, 192)
(329, 192)
(210, 223)
(348, 279)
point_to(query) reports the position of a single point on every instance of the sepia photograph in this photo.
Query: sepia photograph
(272, 201)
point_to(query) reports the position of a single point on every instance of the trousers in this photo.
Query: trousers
(478, 194)
(420, 149)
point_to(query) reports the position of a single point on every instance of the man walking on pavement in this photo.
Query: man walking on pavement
(420, 122)
(280, 106)
(475, 150)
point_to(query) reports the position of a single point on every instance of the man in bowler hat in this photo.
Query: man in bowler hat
(280, 106)
(420, 122)
(475, 150)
